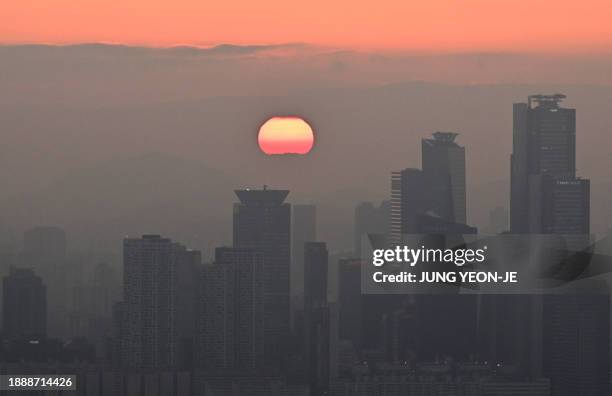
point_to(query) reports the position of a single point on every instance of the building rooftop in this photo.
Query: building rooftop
(263, 196)
(442, 139)
(549, 101)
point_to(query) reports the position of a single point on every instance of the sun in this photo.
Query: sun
(285, 135)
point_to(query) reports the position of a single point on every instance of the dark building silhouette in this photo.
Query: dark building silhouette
(44, 250)
(323, 348)
(350, 301)
(576, 341)
(443, 164)
(401, 332)
(561, 205)
(262, 221)
(409, 199)
(370, 219)
(315, 275)
(431, 200)
(510, 332)
(92, 307)
(158, 306)
(24, 304)
(546, 196)
(317, 325)
(230, 329)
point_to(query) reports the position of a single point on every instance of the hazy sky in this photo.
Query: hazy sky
(109, 140)
(432, 25)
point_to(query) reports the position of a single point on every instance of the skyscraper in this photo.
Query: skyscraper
(315, 275)
(317, 316)
(44, 250)
(350, 301)
(432, 199)
(576, 340)
(443, 163)
(158, 301)
(408, 201)
(24, 304)
(230, 329)
(262, 221)
(545, 194)
(560, 205)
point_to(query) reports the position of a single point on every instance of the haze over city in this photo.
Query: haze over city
(193, 193)
(100, 115)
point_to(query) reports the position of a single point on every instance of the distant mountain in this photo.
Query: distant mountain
(153, 193)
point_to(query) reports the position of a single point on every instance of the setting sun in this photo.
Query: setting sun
(285, 135)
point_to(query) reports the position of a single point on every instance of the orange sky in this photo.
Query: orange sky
(438, 25)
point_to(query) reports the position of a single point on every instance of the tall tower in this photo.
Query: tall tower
(443, 163)
(576, 340)
(431, 200)
(318, 317)
(230, 314)
(546, 196)
(315, 275)
(350, 301)
(24, 304)
(262, 221)
(158, 301)
(44, 250)
(408, 201)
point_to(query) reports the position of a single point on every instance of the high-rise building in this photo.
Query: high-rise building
(576, 341)
(370, 219)
(431, 200)
(315, 275)
(316, 316)
(509, 332)
(401, 332)
(44, 250)
(560, 205)
(322, 357)
(159, 298)
(408, 201)
(262, 221)
(230, 330)
(350, 301)
(24, 304)
(443, 164)
(546, 196)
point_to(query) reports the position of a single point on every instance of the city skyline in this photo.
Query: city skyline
(398, 198)
(231, 321)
